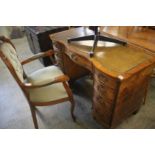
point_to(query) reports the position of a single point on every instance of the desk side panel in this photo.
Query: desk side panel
(132, 95)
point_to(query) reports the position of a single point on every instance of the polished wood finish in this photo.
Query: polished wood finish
(25, 85)
(141, 36)
(73, 70)
(120, 74)
(62, 78)
(37, 56)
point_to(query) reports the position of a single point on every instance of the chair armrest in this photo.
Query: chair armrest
(62, 78)
(37, 56)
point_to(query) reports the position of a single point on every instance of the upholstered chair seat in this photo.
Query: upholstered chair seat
(48, 93)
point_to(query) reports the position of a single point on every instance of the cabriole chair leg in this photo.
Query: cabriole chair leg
(71, 100)
(34, 116)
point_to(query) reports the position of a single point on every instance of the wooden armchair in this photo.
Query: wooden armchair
(47, 86)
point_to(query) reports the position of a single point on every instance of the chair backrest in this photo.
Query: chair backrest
(9, 56)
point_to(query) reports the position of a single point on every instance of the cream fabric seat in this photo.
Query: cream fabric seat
(48, 93)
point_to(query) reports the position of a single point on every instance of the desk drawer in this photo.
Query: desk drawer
(80, 60)
(102, 115)
(103, 94)
(105, 80)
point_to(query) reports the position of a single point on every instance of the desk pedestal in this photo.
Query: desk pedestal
(114, 101)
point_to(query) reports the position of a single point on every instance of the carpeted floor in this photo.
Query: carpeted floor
(15, 112)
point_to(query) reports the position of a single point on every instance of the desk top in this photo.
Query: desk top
(110, 58)
(144, 37)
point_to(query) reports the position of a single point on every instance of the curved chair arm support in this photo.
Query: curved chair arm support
(58, 79)
(37, 56)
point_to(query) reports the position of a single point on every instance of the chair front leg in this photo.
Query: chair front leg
(33, 113)
(69, 92)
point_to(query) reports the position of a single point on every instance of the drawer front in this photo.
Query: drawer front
(103, 104)
(104, 87)
(80, 60)
(105, 92)
(104, 97)
(104, 79)
(101, 115)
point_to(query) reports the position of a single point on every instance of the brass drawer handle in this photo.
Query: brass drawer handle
(74, 57)
(102, 78)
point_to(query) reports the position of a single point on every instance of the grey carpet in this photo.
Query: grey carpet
(15, 112)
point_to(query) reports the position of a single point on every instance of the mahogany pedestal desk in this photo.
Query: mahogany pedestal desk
(120, 74)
